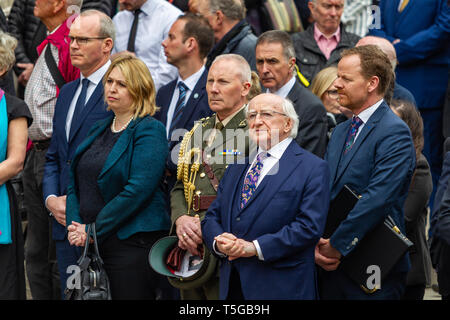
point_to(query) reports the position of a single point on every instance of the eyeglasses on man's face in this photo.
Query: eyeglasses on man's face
(83, 40)
(264, 115)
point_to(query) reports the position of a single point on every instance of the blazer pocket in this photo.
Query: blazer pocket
(286, 194)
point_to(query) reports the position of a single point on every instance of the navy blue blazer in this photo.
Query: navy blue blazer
(424, 50)
(61, 151)
(130, 181)
(196, 107)
(378, 167)
(286, 215)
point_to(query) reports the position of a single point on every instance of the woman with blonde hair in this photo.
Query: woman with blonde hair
(115, 181)
(322, 86)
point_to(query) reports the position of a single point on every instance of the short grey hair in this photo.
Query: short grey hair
(107, 28)
(281, 37)
(244, 67)
(7, 46)
(232, 9)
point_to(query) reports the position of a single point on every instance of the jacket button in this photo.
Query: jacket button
(238, 219)
(69, 162)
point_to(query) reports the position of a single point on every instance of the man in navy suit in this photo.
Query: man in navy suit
(80, 104)
(270, 212)
(275, 62)
(373, 154)
(184, 100)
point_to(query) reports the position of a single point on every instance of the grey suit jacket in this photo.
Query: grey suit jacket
(313, 125)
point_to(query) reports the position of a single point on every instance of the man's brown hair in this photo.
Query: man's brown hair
(374, 62)
(198, 28)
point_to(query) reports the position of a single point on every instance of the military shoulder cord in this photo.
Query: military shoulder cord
(184, 160)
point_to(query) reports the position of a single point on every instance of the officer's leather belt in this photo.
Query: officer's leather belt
(200, 202)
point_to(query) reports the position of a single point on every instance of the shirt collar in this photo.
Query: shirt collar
(367, 113)
(318, 34)
(148, 7)
(97, 76)
(192, 80)
(277, 150)
(284, 90)
(227, 119)
(54, 30)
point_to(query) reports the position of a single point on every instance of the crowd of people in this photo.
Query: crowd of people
(198, 120)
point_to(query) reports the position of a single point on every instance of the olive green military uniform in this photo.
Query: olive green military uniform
(223, 150)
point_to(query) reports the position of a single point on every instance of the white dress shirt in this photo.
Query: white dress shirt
(155, 20)
(284, 90)
(365, 115)
(190, 83)
(94, 80)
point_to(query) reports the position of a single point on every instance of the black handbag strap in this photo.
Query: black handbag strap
(51, 64)
(91, 231)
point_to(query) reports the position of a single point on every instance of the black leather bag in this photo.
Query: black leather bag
(93, 282)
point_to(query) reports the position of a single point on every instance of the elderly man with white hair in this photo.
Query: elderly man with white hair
(269, 212)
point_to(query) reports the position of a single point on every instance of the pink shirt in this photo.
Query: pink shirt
(327, 45)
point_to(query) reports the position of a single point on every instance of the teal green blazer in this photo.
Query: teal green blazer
(130, 181)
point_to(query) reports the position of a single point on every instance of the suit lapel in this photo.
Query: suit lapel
(293, 94)
(194, 98)
(120, 147)
(167, 100)
(288, 163)
(92, 102)
(368, 127)
(236, 176)
(65, 105)
(336, 153)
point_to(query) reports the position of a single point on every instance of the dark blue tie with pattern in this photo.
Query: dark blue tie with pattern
(182, 88)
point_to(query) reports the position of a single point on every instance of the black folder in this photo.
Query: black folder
(380, 248)
(339, 209)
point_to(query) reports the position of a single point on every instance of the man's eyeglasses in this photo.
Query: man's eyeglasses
(264, 114)
(83, 40)
(333, 94)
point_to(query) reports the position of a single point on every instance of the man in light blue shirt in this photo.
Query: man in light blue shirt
(141, 27)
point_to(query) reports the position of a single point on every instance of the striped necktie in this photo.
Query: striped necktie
(182, 89)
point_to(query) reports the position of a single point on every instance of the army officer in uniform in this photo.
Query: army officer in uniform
(205, 152)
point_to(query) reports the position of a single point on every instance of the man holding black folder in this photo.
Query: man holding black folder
(371, 158)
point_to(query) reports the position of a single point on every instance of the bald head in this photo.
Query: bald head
(383, 44)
